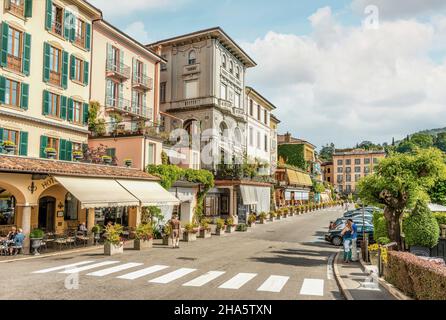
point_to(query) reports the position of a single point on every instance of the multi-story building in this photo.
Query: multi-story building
(259, 129)
(274, 125)
(350, 165)
(327, 172)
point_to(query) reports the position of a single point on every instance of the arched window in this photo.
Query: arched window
(225, 61)
(192, 57)
(237, 72)
(223, 130)
(238, 137)
(231, 67)
(71, 207)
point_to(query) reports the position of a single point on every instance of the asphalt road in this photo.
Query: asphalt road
(285, 260)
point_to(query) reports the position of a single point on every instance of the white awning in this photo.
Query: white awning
(98, 193)
(183, 194)
(249, 195)
(149, 193)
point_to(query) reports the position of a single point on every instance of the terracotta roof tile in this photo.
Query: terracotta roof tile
(55, 167)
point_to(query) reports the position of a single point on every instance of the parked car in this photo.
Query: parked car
(334, 236)
(354, 214)
(357, 220)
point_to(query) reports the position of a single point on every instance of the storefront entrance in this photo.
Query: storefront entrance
(47, 212)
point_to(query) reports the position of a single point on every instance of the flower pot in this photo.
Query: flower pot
(205, 233)
(374, 258)
(167, 241)
(279, 218)
(220, 232)
(230, 229)
(51, 155)
(262, 221)
(128, 163)
(113, 249)
(107, 161)
(443, 231)
(142, 244)
(272, 219)
(9, 148)
(35, 245)
(189, 236)
(252, 225)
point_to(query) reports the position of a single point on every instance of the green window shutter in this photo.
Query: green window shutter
(85, 110)
(86, 72)
(63, 107)
(65, 70)
(88, 36)
(2, 89)
(67, 25)
(48, 15)
(23, 149)
(134, 66)
(46, 103)
(70, 110)
(5, 36)
(46, 62)
(72, 67)
(111, 152)
(1, 140)
(43, 144)
(24, 98)
(109, 54)
(62, 149)
(69, 152)
(72, 28)
(26, 53)
(28, 8)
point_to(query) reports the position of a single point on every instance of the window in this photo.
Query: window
(113, 90)
(11, 135)
(163, 92)
(367, 169)
(192, 57)
(55, 65)
(251, 136)
(266, 117)
(348, 162)
(138, 102)
(328, 170)
(348, 188)
(12, 93)
(77, 112)
(163, 64)
(54, 107)
(71, 207)
(78, 70)
(348, 178)
(57, 20)
(357, 162)
(237, 100)
(231, 67)
(340, 170)
(259, 112)
(341, 189)
(357, 177)
(237, 72)
(259, 143)
(16, 6)
(266, 143)
(328, 179)
(358, 169)
(348, 169)
(251, 107)
(225, 61)
(80, 33)
(223, 91)
(191, 89)
(340, 162)
(375, 160)
(53, 143)
(151, 153)
(340, 178)
(15, 49)
(367, 161)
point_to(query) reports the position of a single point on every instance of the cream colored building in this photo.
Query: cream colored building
(274, 126)
(44, 75)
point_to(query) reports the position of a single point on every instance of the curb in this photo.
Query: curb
(344, 291)
(395, 292)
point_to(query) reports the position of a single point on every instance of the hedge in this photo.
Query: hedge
(417, 278)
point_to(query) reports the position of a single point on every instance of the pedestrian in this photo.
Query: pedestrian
(175, 223)
(347, 238)
(354, 241)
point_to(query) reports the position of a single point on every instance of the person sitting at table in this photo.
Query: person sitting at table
(11, 235)
(18, 242)
(82, 229)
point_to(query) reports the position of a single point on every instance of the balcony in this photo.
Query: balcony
(140, 111)
(17, 9)
(80, 40)
(118, 71)
(55, 78)
(142, 82)
(118, 104)
(191, 69)
(14, 63)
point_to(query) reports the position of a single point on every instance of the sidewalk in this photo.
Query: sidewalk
(352, 280)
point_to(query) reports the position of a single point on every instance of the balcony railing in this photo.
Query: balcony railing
(118, 103)
(141, 111)
(18, 9)
(14, 63)
(142, 81)
(118, 70)
(57, 28)
(55, 78)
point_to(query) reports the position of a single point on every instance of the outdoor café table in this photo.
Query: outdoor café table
(83, 239)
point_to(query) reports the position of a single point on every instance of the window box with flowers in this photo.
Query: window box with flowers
(128, 162)
(9, 146)
(221, 227)
(113, 242)
(78, 155)
(230, 225)
(143, 237)
(190, 232)
(107, 159)
(51, 153)
(205, 229)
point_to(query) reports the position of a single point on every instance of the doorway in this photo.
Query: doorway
(47, 212)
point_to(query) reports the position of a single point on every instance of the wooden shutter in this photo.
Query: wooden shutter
(63, 107)
(86, 72)
(48, 15)
(70, 116)
(28, 8)
(69, 151)
(87, 36)
(4, 53)
(72, 67)
(85, 111)
(46, 62)
(24, 96)
(2, 89)
(23, 149)
(1, 140)
(109, 54)
(65, 69)
(67, 25)
(134, 69)
(62, 149)
(26, 53)
(73, 27)
(46, 103)
(43, 144)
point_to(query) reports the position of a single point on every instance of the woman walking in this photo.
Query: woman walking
(347, 236)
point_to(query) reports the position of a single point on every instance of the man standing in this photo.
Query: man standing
(175, 223)
(354, 241)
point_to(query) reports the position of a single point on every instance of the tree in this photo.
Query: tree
(421, 228)
(399, 181)
(406, 147)
(422, 140)
(438, 193)
(326, 153)
(440, 141)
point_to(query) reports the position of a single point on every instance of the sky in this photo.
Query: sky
(340, 71)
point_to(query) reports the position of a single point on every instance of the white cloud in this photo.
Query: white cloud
(120, 7)
(137, 31)
(348, 84)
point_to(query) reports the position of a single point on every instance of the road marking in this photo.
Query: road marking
(175, 275)
(141, 273)
(92, 266)
(274, 284)
(238, 281)
(204, 279)
(330, 273)
(312, 287)
(68, 266)
(106, 272)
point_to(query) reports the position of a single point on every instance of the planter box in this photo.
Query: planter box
(111, 250)
(252, 225)
(220, 232)
(141, 245)
(189, 237)
(168, 241)
(272, 219)
(279, 218)
(262, 221)
(205, 234)
(374, 258)
(230, 229)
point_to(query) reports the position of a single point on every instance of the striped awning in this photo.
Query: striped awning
(299, 178)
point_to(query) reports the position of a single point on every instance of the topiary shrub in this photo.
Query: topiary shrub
(421, 228)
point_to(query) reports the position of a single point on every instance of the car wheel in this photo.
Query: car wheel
(337, 241)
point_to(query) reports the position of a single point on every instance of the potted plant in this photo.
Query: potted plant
(36, 237)
(279, 214)
(373, 254)
(9, 146)
(262, 218)
(51, 153)
(107, 159)
(285, 212)
(190, 232)
(230, 225)
(252, 220)
(78, 155)
(113, 242)
(242, 228)
(167, 235)
(272, 216)
(128, 162)
(221, 227)
(96, 230)
(143, 237)
(205, 229)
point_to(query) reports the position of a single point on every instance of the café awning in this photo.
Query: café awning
(98, 193)
(299, 178)
(249, 195)
(149, 193)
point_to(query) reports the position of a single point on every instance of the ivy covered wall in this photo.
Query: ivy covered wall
(293, 154)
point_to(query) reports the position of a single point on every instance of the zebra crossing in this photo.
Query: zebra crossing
(272, 284)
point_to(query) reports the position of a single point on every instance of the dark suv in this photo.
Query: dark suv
(334, 236)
